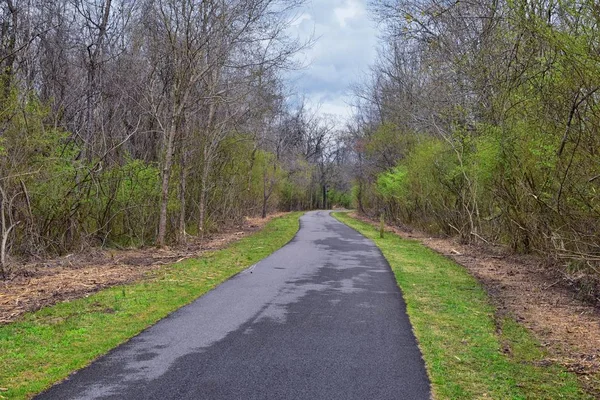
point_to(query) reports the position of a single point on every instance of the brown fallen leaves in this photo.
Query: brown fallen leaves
(39, 284)
(523, 287)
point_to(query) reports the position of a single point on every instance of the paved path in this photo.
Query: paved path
(322, 318)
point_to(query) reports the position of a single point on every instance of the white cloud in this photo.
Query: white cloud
(345, 48)
(338, 109)
(300, 19)
(350, 10)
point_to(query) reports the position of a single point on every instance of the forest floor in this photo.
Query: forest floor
(521, 286)
(34, 285)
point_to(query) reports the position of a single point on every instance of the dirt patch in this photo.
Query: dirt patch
(534, 295)
(38, 284)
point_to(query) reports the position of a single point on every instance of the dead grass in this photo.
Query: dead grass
(535, 296)
(39, 284)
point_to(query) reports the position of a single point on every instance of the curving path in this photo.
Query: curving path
(322, 318)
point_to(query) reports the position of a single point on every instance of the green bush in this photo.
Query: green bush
(337, 198)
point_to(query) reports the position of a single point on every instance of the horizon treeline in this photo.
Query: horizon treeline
(481, 120)
(135, 122)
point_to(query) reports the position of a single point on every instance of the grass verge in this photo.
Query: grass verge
(469, 351)
(45, 346)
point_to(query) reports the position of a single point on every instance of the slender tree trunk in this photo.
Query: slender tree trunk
(202, 202)
(11, 54)
(249, 201)
(95, 60)
(208, 153)
(6, 227)
(265, 195)
(182, 190)
(359, 197)
(166, 177)
(4, 236)
(264, 207)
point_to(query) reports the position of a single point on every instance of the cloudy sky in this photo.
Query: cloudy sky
(345, 47)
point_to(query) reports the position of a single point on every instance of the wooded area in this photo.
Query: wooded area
(481, 119)
(136, 122)
(142, 122)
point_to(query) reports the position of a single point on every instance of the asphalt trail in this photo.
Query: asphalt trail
(322, 318)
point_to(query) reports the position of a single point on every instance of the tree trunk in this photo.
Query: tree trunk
(6, 227)
(202, 201)
(264, 207)
(95, 61)
(359, 197)
(249, 201)
(11, 54)
(166, 177)
(182, 189)
(208, 154)
(265, 195)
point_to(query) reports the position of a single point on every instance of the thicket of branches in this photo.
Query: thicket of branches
(133, 122)
(481, 119)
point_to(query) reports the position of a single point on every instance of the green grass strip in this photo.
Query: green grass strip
(469, 353)
(43, 347)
